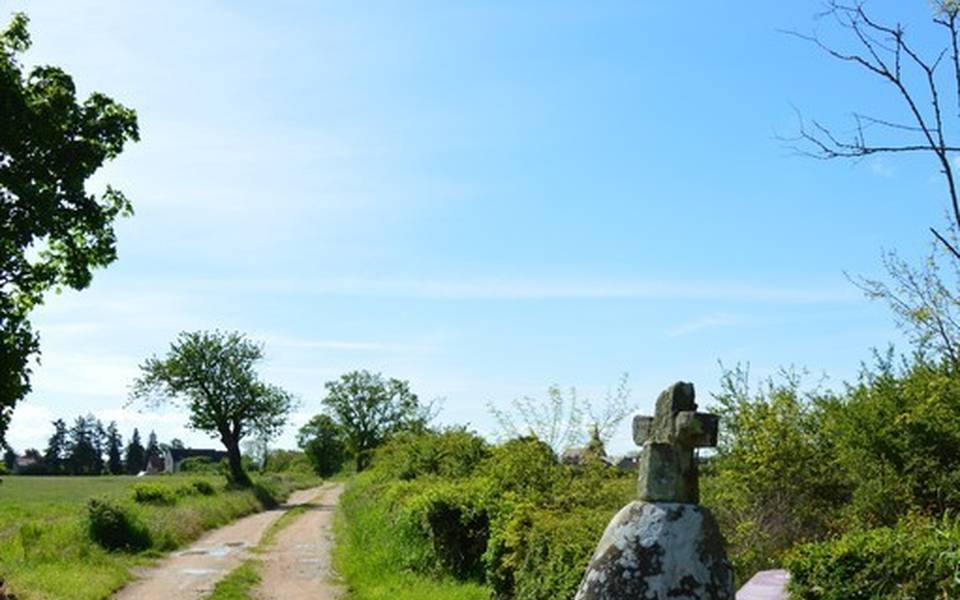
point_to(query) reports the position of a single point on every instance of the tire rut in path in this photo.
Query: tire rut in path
(191, 573)
(297, 565)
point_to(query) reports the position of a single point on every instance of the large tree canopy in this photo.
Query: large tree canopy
(52, 231)
(212, 375)
(369, 408)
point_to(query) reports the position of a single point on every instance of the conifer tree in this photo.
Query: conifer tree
(135, 458)
(114, 450)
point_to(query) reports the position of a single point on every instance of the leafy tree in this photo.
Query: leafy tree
(135, 457)
(212, 374)
(369, 408)
(176, 444)
(322, 440)
(561, 420)
(56, 453)
(53, 233)
(775, 480)
(114, 450)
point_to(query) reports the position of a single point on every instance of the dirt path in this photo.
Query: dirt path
(191, 573)
(297, 565)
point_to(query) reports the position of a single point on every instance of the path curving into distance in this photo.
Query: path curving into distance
(191, 573)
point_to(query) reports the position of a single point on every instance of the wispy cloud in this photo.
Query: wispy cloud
(344, 345)
(530, 289)
(705, 322)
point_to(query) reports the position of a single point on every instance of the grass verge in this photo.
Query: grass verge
(46, 552)
(368, 555)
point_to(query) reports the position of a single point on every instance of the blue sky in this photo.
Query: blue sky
(484, 198)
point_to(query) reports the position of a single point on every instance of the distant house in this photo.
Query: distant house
(173, 457)
(25, 464)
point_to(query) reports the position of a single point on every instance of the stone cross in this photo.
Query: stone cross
(668, 468)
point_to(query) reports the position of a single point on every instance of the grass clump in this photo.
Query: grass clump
(115, 526)
(239, 584)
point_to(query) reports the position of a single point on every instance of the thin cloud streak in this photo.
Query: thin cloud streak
(515, 289)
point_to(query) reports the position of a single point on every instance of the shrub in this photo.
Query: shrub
(919, 558)
(528, 469)
(203, 488)
(538, 554)
(116, 527)
(453, 519)
(199, 464)
(453, 454)
(287, 461)
(155, 493)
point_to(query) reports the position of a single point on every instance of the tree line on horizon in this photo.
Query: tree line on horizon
(88, 448)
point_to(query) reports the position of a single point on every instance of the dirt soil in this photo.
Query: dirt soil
(191, 574)
(297, 565)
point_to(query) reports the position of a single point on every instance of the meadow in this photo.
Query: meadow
(47, 551)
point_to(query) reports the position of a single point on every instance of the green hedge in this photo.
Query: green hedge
(510, 517)
(917, 559)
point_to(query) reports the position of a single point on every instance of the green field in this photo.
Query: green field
(45, 549)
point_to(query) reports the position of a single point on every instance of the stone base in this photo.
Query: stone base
(659, 551)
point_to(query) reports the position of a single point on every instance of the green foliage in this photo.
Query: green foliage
(203, 487)
(53, 233)
(213, 374)
(453, 453)
(561, 419)
(287, 461)
(369, 408)
(453, 518)
(541, 554)
(116, 527)
(918, 558)
(373, 553)
(323, 441)
(199, 464)
(511, 517)
(774, 481)
(155, 493)
(526, 468)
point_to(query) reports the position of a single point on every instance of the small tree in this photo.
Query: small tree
(369, 408)
(322, 440)
(212, 375)
(114, 449)
(135, 456)
(561, 420)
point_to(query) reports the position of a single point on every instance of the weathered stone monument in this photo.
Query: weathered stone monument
(664, 546)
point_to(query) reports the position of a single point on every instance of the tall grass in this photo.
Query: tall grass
(369, 556)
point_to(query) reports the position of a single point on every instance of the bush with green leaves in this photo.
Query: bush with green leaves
(453, 453)
(155, 493)
(452, 520)
(116, 526)
(200, 464)
(918, 558)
